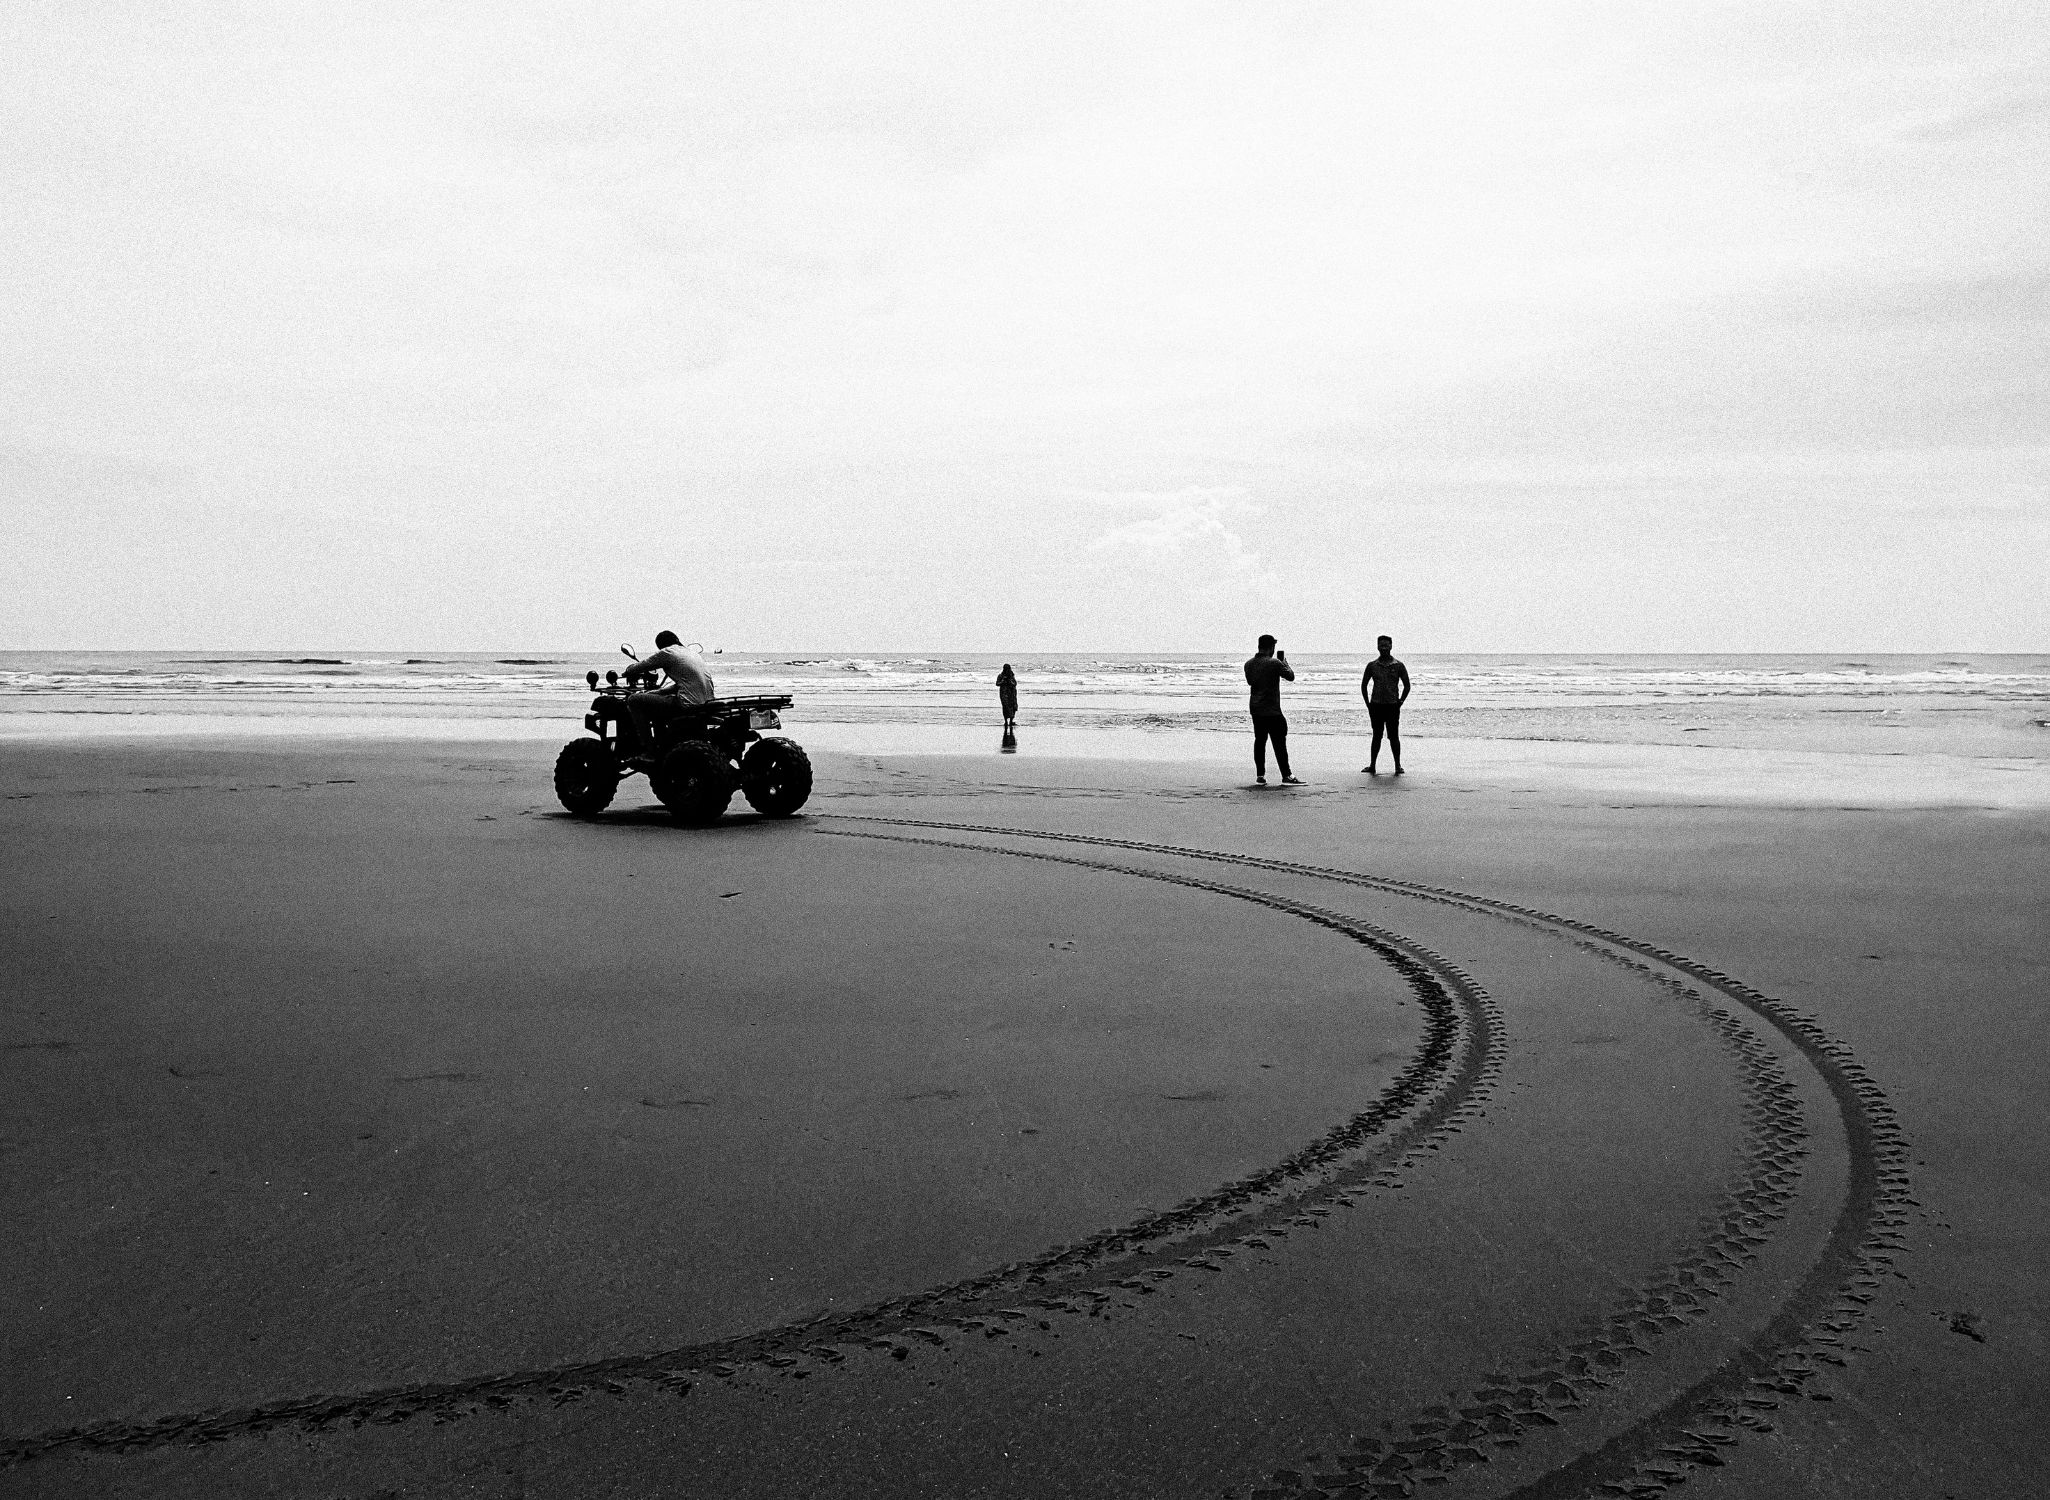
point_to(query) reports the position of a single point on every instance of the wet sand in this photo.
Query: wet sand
(561, 1157)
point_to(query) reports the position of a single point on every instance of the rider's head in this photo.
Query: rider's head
(666, 638)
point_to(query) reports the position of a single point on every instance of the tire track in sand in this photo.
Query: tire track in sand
(1442, 1085)
(1805, 1332)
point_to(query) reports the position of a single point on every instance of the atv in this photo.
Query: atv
(694, 761)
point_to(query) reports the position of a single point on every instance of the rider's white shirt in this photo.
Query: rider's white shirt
(686, 669)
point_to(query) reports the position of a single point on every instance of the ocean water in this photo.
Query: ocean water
(1981, 705)
(1860, 730)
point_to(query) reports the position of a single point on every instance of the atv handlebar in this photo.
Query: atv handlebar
(618, 687)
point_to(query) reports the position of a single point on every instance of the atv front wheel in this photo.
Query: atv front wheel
(775, 776)
(694, 782)
(586, 776)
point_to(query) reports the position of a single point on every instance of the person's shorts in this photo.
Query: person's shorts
(1385, 716)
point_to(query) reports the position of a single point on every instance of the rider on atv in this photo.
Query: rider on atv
(696, 749)
(690, 683)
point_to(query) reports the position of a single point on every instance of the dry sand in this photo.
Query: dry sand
(367, 1117)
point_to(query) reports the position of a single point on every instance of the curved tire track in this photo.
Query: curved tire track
(1442, 1085)
(1659, 1449)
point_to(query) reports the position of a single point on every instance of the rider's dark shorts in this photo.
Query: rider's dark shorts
(1385, 716)
(657, 705)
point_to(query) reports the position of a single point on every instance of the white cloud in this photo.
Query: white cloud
(1190, 532)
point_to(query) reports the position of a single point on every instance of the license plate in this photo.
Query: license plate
(764, 718)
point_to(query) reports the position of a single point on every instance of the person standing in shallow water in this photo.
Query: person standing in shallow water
(1007, 694)
(1385, 686)
(1264, 673)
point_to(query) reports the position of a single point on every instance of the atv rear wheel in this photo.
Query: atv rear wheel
(775, 776)
(586, 776)
(694, 782)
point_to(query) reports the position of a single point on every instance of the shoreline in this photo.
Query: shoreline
(1680, 775)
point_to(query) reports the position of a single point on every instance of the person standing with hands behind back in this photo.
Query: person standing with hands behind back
(1385, 686)
(1264, 674)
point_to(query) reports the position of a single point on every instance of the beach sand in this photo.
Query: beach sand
(371, 1128)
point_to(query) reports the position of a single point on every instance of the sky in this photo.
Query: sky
(1514, 327)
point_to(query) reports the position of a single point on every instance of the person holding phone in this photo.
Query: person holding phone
(1264, 673)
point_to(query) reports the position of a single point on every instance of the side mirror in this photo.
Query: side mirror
(591, 678)
(628, 652)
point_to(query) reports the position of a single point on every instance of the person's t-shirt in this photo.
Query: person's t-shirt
(1264, 674)
(687, 670)
(1384, 679)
